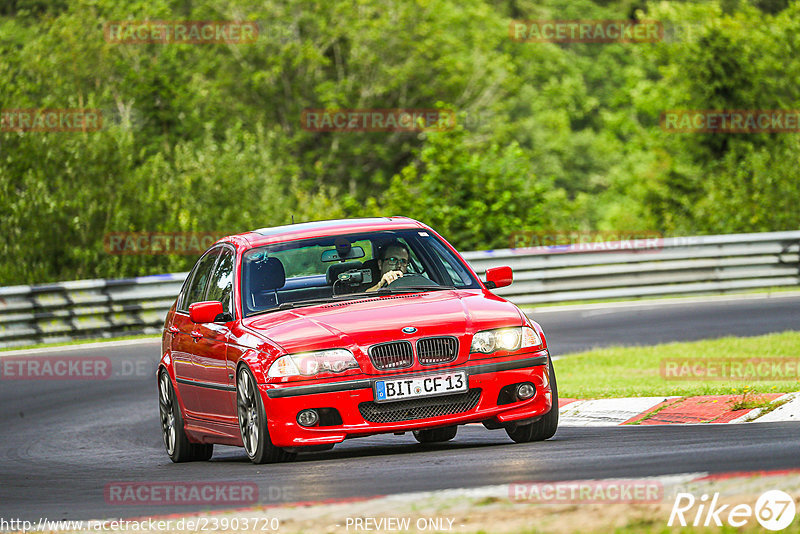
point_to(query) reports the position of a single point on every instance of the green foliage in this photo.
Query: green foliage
(558, 136)
(475, 195)
(723, 183)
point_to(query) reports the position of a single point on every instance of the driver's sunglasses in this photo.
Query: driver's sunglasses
(396, 261)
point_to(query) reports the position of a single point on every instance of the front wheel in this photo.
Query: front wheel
(545, 427)
(178, 446)
(253, 422)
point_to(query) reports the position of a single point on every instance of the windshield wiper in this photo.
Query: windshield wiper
(289, 305)
(310, 302)
(358, 295)
(411, 289)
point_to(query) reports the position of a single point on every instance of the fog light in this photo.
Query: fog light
(308, 418)
(526, 390)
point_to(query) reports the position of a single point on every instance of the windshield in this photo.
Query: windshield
(340, 267)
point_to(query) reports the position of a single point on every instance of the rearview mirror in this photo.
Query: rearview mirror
(333, 255)
(499, 277)
(205, 312)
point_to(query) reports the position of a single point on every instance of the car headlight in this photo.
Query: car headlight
(515, 338)
(312, 363)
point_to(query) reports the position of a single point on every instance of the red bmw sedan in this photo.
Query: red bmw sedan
(295, 338)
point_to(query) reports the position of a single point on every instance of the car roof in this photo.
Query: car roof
(308, 230)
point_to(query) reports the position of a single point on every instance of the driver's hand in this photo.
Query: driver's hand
(390, 277)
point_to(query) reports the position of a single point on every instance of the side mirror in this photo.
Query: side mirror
(499, 277)
(205, 312)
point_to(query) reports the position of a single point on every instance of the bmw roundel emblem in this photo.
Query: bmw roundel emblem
(409, 330)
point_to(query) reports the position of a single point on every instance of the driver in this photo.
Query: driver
(393, 264)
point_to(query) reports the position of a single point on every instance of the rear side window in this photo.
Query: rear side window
(196, 290)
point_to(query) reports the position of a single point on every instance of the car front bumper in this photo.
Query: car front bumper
(361, 416)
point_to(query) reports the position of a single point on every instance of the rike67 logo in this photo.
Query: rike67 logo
(774, 510)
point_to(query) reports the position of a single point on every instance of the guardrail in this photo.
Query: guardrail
(647, 268)
(611, 270)
(65, 311)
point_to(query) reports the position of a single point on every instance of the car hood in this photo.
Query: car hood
(377, 319)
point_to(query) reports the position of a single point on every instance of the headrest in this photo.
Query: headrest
(267, 275)
(334, 270)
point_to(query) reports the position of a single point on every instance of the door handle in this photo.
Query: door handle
(196, 335)
(173, 329)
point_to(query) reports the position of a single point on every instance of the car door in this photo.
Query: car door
(210, 357)
(184, 338)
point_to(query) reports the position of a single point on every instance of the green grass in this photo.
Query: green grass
(636, 371)
(80, 342)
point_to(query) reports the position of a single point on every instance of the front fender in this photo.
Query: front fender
(257, 363)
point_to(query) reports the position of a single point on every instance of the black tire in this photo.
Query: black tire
(545, 427)
(253, 422)
(178, 446)
(436, 435)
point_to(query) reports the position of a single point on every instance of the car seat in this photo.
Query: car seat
(263, 280)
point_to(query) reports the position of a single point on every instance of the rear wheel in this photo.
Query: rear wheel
(436, 435)
(178, 446)
(253, 422)
(545, 427)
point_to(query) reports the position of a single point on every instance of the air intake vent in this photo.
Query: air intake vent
(435, 350)
(392, 355)
(409, 410)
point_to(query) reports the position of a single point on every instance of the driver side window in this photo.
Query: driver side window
(220, 286)
(196, 290)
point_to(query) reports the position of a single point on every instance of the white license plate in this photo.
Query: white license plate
(412, 387)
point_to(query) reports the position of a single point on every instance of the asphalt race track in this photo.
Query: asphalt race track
(63, 441)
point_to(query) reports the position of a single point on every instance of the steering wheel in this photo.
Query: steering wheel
(413, 280)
